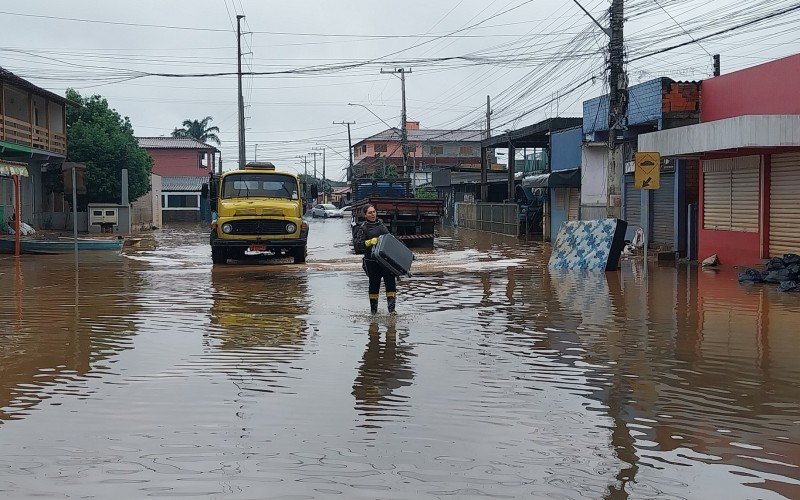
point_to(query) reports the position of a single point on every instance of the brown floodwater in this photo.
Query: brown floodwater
(154, 374)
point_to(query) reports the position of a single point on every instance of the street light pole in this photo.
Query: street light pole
(242, 152)
(349, 147)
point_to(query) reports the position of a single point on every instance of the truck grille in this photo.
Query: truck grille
(259, 226)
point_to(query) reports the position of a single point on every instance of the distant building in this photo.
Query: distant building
(429, 150)
(183, 163)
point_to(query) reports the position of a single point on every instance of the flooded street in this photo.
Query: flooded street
(152, 374)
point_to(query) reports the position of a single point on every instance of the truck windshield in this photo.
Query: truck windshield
(259, 186)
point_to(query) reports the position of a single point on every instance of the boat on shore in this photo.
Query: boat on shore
(60, 246)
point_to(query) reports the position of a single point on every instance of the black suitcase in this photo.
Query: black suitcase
(393, 255)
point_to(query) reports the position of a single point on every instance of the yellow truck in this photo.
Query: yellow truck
(258, 209)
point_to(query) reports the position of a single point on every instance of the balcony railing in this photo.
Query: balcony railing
(22, 132)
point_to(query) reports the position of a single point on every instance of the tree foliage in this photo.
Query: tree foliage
(99, 137)
(198, 129)
(426, 193)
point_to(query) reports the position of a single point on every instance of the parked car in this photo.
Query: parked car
(326, 210)
(347, 211)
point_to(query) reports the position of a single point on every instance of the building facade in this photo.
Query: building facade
(428, 151)
(33, 141)
(658, 104)
(184, 164)
(748, 145)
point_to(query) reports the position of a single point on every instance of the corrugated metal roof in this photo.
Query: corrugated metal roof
(172, 143)
(393, 134)
(182, 183)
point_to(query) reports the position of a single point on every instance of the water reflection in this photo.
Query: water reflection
(258, 323)
(59, 323)
(385, 368)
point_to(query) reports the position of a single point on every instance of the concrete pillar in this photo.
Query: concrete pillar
(512, 153)
(124, 200)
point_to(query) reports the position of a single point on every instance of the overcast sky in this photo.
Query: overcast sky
(536, 58)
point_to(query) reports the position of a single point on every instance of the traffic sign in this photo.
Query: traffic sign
(647, 174)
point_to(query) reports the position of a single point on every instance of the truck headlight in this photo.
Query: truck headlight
(290, 228)
(227, 228)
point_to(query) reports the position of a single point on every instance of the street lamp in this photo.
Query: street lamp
(371, 112)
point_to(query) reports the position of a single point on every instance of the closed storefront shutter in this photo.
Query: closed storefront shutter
(784, 205)
(664, 213)
(730, 194)
(574, 204)
(633, 203)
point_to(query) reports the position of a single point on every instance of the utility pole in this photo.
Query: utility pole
(314, 153)
(403, 117)
(305, 175)
(349, 148)
(322, 148)
(242, 153)
(617, 109)
(485, 152)
(256, 158)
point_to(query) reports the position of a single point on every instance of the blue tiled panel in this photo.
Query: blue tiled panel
(588, 244)
(565, 146)
(644, 105)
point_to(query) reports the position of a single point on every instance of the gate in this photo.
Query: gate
(501, 218)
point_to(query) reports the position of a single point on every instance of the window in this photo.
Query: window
(201, 160)
(437, 150)
(465, 151)
(380, 148)
(182, 201)
(260, 185)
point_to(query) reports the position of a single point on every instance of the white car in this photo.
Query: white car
(326, 210)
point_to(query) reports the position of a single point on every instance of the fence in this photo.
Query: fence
(502, 218)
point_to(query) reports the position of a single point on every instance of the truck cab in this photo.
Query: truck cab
(257, 209)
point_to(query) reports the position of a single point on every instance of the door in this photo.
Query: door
(633, 203)
(663, 231)
(784, 210)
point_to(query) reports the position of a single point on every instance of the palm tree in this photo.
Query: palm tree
(198, 129)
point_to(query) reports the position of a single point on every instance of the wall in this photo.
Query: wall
(565, 146)
(594, 175)
(146, 211)
(766, 89)
(734, 248)
(176, 162)
(644, 105)
(559, 203)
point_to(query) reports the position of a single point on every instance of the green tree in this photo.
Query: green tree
(199, 130)
(102, 139)
(426, 193)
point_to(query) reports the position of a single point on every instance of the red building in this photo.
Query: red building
(748, 142)
(183, 164)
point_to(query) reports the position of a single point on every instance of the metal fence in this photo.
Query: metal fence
(502, 218)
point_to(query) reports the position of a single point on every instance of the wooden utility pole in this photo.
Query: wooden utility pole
(242, 152)
(485, 154)
(403, 117)
(349, 148)
(617, 109)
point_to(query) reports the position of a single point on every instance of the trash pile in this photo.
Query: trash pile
(785, 271)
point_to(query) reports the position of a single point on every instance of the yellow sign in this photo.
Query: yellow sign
(648, 170)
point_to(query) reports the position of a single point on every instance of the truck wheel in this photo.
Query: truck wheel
(299, 254)
(219, 255)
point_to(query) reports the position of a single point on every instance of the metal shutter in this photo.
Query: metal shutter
(633, 203)
(730, 194)
(784, 212)
(574, 204)
(664, 213)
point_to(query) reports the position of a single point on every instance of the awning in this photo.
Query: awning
(559, 179)
(9, 168)
(741, 132)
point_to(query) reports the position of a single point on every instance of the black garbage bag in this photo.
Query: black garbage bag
(775, 264)
(751, 275)
(778, 275)
(789, 286)
(791, 258)
(794, 269)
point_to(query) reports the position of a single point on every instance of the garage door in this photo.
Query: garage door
(664, 213)
(784, 210)
(730, 194)
(633, 203)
